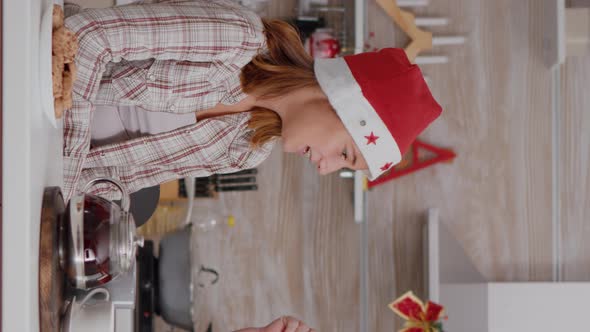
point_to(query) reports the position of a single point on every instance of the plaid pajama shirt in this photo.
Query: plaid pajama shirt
(176, 57)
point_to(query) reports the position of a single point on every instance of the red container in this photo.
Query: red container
(322, 44)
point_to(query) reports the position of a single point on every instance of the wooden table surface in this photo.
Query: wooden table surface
(51, 276)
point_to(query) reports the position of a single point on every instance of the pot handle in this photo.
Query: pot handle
(119, 185)
(78, 305)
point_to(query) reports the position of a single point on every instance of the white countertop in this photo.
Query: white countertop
(32, 161)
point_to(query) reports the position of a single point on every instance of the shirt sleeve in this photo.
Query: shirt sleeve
(236, 156)
(201, 143)
(201, 31)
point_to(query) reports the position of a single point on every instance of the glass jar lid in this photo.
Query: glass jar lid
(125, 242)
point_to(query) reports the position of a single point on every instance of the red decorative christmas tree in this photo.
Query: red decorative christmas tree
(419, 156)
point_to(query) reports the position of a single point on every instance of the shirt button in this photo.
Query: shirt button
(151, 77)
(363, 123)
(172, 107)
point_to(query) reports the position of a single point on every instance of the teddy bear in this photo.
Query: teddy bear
(63, 70)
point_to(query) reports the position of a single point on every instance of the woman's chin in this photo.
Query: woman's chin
(287, 146)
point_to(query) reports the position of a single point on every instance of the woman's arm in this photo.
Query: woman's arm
(137, 177)
(202, 31)
(212, 146)
(196, 31)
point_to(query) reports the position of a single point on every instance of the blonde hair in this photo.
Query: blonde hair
(285, 67)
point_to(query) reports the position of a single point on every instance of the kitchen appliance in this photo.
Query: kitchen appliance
(99, 241)
(113, 312)
(89, 314)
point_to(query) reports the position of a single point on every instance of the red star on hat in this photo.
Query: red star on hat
(386, 166)
(372, 139)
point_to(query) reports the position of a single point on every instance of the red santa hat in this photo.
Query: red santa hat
(383, 101)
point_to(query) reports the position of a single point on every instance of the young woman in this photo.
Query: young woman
(178, 89)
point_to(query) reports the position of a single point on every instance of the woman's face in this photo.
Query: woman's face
(316, 132)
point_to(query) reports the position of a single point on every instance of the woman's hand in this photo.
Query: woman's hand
(283, 324)
(287, 324)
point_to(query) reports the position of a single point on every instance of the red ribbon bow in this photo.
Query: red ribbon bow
(419, 317)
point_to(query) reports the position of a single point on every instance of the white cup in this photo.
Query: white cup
(90, 317)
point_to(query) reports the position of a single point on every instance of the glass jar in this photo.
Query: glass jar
(99, 240)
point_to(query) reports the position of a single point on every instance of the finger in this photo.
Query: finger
(277, 325)
(302, 328)
(291, 324)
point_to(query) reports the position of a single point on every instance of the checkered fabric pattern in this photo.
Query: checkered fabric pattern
(177, 57)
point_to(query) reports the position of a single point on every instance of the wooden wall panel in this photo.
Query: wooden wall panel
(574, 168)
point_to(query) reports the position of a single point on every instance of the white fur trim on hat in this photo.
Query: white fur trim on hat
(357, 115)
